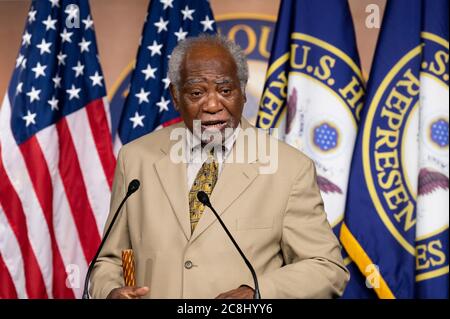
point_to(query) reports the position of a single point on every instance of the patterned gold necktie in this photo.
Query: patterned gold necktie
(204, 181)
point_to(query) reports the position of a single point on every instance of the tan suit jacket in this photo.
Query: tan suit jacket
(277, 219)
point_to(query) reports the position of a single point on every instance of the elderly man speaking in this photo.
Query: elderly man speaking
(181, 249)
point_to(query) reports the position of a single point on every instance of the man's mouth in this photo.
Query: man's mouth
(217, 124)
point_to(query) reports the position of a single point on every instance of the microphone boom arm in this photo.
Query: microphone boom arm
(132, 187)
(205, 201)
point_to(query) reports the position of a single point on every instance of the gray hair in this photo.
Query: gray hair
(180, 51)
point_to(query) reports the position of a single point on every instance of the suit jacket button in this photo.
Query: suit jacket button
(188, 264)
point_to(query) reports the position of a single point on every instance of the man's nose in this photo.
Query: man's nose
(213, 104)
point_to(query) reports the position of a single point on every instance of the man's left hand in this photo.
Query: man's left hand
(243, 292)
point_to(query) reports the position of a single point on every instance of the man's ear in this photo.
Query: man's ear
(173, 93)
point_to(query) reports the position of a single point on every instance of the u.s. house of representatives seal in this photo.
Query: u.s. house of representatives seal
(324, 92)
(405, 154)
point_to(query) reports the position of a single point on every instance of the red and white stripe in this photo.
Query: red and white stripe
(54, 200)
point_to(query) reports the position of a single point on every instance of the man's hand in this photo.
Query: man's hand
(128, 293)
(243, 292)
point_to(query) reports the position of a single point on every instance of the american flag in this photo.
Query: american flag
(148, 105)
(56, 164)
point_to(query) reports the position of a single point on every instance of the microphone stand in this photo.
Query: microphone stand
(204, 199)
(132, 187)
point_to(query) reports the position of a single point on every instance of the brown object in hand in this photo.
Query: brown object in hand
(128, 268)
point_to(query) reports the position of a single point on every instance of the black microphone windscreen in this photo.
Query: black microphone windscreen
(203, 198)
(133, 186)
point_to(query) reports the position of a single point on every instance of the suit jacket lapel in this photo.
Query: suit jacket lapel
(233, 181)
(173, 180)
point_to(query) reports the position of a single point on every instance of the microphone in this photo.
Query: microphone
(204, 199)
(132, 188)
